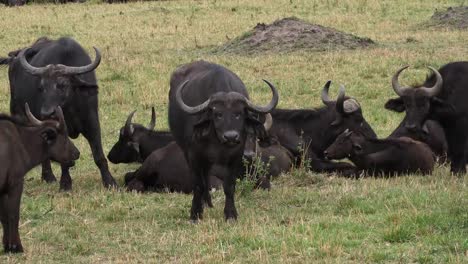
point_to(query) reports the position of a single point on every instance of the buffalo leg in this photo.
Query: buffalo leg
(206, 194)
(457, 141)
(10, 205)
(196, 212)
(94, 139)
(47, 173)
(229, 186)
(65, 179)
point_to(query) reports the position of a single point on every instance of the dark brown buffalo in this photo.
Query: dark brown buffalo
(313, 130)
(442, 97)
(23, 147)
(210, 117)
(390, 156)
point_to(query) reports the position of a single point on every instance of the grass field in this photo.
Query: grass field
(306, 217)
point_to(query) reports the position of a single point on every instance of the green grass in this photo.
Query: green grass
(306, 217)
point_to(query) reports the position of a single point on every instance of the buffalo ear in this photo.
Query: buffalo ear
(396, 105)
(255, 127)
(202, 127)
(49, 135)
(441, 108)
(337, 121)
(83, 86)
(357, 147)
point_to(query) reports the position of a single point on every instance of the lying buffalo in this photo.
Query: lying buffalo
(442, 97)
(136, 142)
(54, 73)
(210, 117)
(23, 147)
(391, 156)
(313, 130)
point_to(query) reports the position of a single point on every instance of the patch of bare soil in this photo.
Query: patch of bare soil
(291, 34)
(453, 17)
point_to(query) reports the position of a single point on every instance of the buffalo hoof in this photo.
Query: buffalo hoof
(194, 221)
(110, 184)
(230, 215)
(65, 186)
(136, 185)
(13, 248)
(48, 177)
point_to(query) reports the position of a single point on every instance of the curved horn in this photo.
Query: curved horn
(152, 123)
(28, 67)
(128, 124)
(325, 99)
(71, 70)
(32, 119)
(60, 117)
(434, 90)
(340, 100)
(189, 109)
(396, 85)
(268, 122)
(270, 106)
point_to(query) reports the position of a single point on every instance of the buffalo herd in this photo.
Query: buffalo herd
(216, 131)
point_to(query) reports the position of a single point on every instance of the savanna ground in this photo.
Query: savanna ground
(306, 217)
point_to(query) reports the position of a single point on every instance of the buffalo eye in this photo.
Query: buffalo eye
(218, 115)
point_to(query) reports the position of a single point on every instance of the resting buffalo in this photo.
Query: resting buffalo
(391, 156)
(442, 97)
(137, 142)
(313, 130)
(165, 169)
(210, 117)
(434, 137)
(39, 76)
(24, 146)
(14, 2)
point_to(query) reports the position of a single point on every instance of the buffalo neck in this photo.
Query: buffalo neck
(370, 146)
(151, 140)
(33, 145)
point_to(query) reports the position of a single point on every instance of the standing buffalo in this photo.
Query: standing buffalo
(137, 142)
(55, 73)
(390, 156)
(210, 117)
(442, 97)
(24, 146)
(313, 130)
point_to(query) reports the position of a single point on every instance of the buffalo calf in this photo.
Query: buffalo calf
(24, 146)
(391, 156)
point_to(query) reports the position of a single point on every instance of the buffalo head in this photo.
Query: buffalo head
(55, 136)
(420, 102)
(346, 144)
(127, 148)
(347, 114)
(230, 115)
(58, 82)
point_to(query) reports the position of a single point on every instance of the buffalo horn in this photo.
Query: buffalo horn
(270, 106)
(32, 119)
(268, 122)
(340, 100)
(396, 85)
(128, 124)
(152, 123)
(434, 90)
(60, 117)
(73, 70)
(325, 99)
(28, 67)
(189, 109)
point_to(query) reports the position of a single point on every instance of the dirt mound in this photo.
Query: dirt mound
(290, 34)
(454, 17)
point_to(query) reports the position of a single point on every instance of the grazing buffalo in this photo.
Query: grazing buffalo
(313, 130)
(165, 169)
(442, 97)
(434, 137)
(210, 117)
(24, 146)
(137, 142)
(55, 73)
(390, 156)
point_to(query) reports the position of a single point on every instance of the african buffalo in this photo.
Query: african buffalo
(165, 169)
(14, 2)
(55, 73)
(313, 130)
(390, 156)
(24, 146)
(442, 97)
(210, 117)
(137, 142)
